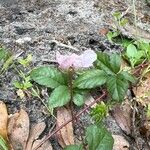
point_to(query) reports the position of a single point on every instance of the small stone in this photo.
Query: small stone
(23, 40)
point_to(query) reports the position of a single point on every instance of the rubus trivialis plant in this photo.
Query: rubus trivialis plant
(61, 79)
(67, 84)
(70, 86)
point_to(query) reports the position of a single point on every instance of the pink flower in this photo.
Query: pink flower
(84, 60)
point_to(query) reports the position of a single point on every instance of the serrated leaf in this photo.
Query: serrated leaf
(74, 147)
(90, 79)
(103, 62)
(48, 76)
(128, 76)
(117, 86)
(115, 62)
(78, 99)
(59, 97)
(99, 138)
(131, 51)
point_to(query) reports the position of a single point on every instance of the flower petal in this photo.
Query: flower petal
(66, 61)
(86, 59)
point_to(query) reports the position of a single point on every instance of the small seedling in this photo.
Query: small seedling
(119, 22)
(25, 62)
(99, 112)
(25, 83)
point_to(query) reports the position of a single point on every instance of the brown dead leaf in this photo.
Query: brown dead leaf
(46, 146)
(18, 129)
(35, 132)
(120, 143)
(65, 135)
(122, 118)
(3, 123)
(142, 92)
(3, 120)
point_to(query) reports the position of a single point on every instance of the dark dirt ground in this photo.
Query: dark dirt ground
(68, 21)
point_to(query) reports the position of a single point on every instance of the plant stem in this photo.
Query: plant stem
(139, 67)
(78, 115)
(70, 84)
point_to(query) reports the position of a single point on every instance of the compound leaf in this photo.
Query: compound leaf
(117, 86)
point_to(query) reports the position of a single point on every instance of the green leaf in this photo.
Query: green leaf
(117, 15)
(99, 138)
(27, 85)
(78, 99)
(48, 76)
(2, 54)
(3, 144)
(18, 85)
(90, 79)
(123, 22)
(59, 97)
(117, 86)
(110, 64)
(131, 51)
(125, 42)
(25, 62)
(103, 62)
(7, 63)
(115, 62)
(148, 111)
(128, 76)
(139, 55)
(74, 147)
(111, 35)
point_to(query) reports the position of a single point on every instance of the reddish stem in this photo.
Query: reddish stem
(139, 67)
(55, 131)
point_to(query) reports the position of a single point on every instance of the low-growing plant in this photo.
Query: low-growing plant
(119, 22)
(96, 138)
(24, 83)
(67, 85)
(137, 52)
(61, 80)
(100, 112)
